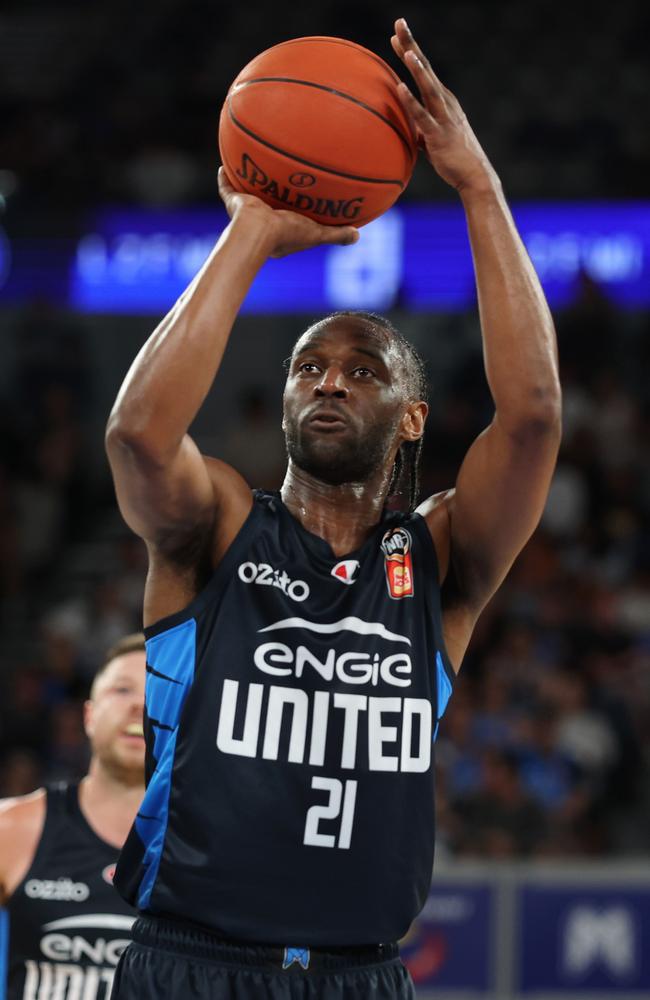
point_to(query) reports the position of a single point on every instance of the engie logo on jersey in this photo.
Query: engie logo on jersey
(396, 545)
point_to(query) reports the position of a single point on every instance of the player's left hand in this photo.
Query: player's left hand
(438, 120)
(285, 232)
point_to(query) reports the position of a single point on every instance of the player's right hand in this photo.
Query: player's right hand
(287, 232)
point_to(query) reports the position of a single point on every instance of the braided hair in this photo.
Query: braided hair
(405, 477)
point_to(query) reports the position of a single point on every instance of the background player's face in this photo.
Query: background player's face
(113, 717)
(344, 401)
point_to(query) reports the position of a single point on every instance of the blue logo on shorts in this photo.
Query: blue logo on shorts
(299, 955)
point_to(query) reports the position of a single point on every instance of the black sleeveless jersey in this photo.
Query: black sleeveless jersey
(67, 926)
(290, 716)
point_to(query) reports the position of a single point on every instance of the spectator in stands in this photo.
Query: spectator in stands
(500, 820)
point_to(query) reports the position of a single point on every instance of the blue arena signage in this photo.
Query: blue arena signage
(5, 258)
(414, 256)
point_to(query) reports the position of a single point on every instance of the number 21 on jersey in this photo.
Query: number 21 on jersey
(342, 798)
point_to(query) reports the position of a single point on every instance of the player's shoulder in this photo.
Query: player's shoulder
(233, 499)
(22, 811)
(227, 482)
(437, 504)
(21, 825)
(436, 511)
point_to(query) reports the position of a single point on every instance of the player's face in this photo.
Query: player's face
(114, 717)
(344, 401)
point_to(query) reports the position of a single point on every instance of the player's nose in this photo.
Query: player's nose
(136, 708)
(332, 383)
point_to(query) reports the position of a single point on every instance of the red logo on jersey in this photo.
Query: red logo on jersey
(108, 873)
(398, 562)
(346, 570)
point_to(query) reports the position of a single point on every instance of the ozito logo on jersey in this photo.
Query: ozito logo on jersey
(60, 889)
(398, 563)
(266, 576)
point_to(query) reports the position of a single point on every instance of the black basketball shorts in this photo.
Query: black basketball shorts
(171, 961)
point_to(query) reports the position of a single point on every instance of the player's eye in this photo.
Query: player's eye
(363, 372)
(308, 367)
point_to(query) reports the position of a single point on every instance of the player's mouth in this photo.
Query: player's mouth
(327, 420)
(134, 731)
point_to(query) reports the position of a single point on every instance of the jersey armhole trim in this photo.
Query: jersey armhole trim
(4, 952)
(246, 533)
(433, 594)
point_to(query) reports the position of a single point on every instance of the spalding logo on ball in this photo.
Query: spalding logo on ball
(315, 125)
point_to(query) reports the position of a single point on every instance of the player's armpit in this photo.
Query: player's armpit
(500, 494)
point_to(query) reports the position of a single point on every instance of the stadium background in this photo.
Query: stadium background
(543, 757)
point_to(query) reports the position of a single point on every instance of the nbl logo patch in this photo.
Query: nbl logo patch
(398, 562)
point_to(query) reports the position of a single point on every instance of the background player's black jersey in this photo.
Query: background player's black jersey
(67, 925)
(290, 711)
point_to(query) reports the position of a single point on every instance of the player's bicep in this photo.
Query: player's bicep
(500, 494)
(162, 499)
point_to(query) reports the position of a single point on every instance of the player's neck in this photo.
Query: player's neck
(342, 515)
(108, 804)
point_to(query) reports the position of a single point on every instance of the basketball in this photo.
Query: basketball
(315, 125)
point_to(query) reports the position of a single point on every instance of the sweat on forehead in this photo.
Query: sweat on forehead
(357, 326)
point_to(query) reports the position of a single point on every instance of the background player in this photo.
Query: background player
(215, 843)
(65, 922)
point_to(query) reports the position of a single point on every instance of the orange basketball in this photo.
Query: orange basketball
(315, 125)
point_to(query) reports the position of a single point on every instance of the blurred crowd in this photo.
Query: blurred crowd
(544, 749)
(131, 111)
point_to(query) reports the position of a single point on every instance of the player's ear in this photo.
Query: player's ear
(88, 719)
(414, 420)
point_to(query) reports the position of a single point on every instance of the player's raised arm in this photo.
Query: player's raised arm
(168, 493)
(504, 479)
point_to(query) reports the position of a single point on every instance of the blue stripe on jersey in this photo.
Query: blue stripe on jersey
(172, 655)
(444, 690)
(4, 953)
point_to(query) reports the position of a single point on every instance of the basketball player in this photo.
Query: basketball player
(303, 645)
(66, 924)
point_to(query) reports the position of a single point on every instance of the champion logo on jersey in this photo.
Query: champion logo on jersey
(398, 563)
(108, 873)
(346, 571)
